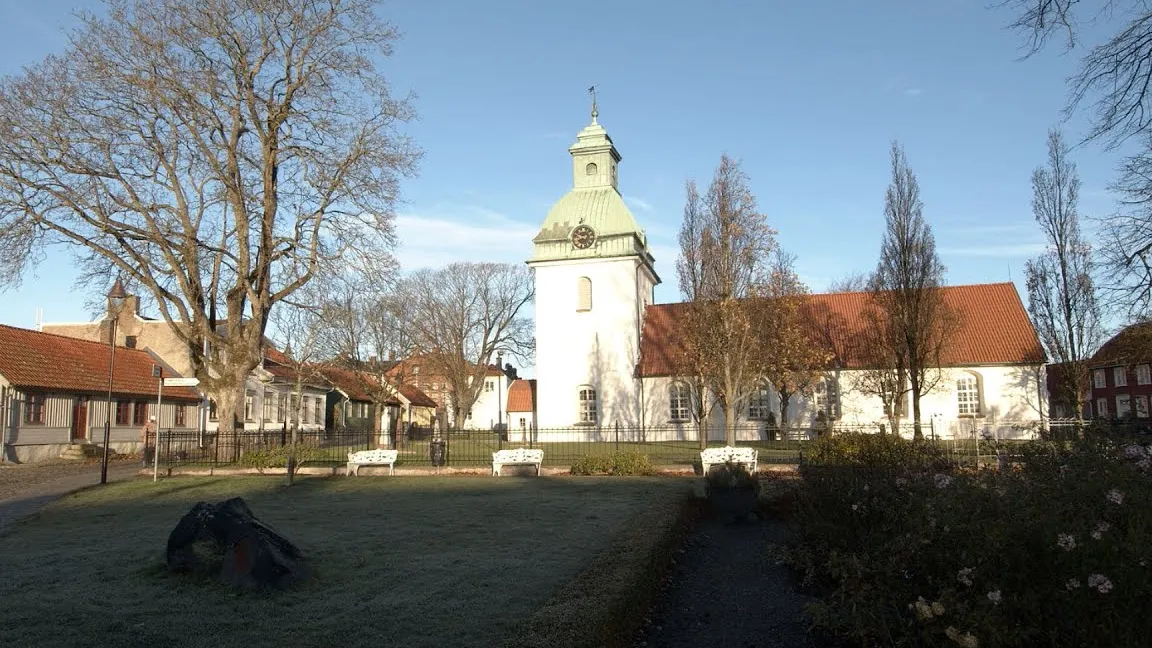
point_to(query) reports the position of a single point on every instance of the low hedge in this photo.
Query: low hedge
(616, 463)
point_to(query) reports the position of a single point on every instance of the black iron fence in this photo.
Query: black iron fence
(668, 446)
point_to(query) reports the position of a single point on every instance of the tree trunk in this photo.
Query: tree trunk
(729, 422)
(785, 399)
(230, 414)
(917, 431)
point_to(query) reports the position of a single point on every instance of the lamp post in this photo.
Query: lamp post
(116, 297)
(500, 393)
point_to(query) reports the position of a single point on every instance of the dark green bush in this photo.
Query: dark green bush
(616, 463)
(277, 456)
(906, 551)
(730, 475)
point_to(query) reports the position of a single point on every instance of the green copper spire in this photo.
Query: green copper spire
(594, 201)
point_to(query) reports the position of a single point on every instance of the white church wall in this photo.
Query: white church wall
(597, 347)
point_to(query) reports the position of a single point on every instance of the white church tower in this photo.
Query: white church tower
(594, 277)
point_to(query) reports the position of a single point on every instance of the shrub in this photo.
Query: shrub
(730, 476)
(616, 463)
(277, 456)
(907, 551)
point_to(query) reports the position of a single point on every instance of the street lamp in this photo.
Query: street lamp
(116, 298)
(500, 393)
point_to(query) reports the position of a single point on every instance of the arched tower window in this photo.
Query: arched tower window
(583, 294)
(679, 401)
(588, 409)
(968, 400)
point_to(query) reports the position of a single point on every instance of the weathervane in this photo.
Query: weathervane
(595, 113)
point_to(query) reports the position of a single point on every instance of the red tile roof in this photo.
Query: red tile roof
(994, 329)
(521, 395)
(416, 397)
(355, 384)
(1131, 345)
(35, 360)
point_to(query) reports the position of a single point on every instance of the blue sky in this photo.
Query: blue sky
(808, 95)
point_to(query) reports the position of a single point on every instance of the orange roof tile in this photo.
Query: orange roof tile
(994, 329)
(521, 395)
(35, 360)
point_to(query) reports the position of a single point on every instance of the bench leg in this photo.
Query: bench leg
(537, 470)
(348, 470)
(495, 470)
(391, 469)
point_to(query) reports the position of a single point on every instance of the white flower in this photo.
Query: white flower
(1100, 582)
(1066, 542)
(1133, 451)
(995, 597)
(1100, 530)
(855, 506)
(965, 576)
(1144, 464)
(966, 640)
(942, 480)
(1073, 583)
(1115, 496)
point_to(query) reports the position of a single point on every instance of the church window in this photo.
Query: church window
(590, 169)
(759, 406)
(583, 294)
(679, 401)
(824, 397)
(968, 396)
(588, 407)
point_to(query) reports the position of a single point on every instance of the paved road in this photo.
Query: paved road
(25, 489)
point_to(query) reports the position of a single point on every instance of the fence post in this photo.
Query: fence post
(617, 436)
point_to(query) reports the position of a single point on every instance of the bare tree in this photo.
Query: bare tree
(217, 153)
(460, 316)
(884, 372)
(796, 359)
(907, 287)
(1061, 293)
(690, 268)
(1116, 74)
(728, 249)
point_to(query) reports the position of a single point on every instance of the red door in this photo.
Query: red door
(80, 419)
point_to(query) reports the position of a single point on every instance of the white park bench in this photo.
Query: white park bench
(371, 458)
(517, 457)
(715, 456)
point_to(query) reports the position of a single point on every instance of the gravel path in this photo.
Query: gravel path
(26, 488)
(727, 590)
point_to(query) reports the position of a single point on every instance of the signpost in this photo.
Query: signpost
(165, 382)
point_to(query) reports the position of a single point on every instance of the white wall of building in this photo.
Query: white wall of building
(488, 409)
(598, 347)
(261, 391)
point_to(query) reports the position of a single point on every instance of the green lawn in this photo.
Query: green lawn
(399, 561)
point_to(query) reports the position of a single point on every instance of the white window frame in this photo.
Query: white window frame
(1140, 403)
(1120, 376)
(679, 402)
(825, 397)
(1099, 379)
(1101, 408)
(1143, 374)
(1123, 405)
(760, 404)
(588, 401)
(583, 294)
(968, 400)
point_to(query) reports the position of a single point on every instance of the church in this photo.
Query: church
(604, 348)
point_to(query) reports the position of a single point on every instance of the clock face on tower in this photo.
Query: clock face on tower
(583, 237)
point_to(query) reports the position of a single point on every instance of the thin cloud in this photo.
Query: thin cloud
(638, 203)
(1009, 250)
(913, 92)
(467, 233)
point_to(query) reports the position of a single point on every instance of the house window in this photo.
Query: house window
(318, 413)
(679, 401)
(583, 294)
(825, 397)
(281, 407)
(968, 396)
(269, 405)
(305, 406)
(249, 406)
(123, 412)
(488, 385)
(130, 341)
(1141, 407)
(587, 405)
(212, 415)
(1123, 405)
(1098, 379)
(1120, 376)
(178, 419)
(1143, 375)
(1101, 408)
(759, 406)
(139, 413)
(34, 409)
